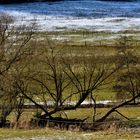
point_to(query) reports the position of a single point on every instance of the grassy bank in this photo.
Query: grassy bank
(132, 113)
(88, 38)
(50, 134)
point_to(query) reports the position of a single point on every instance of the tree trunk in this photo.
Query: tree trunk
(118, 106)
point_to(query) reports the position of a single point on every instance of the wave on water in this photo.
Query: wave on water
(79, 8)
(51, 23)
(78, 14)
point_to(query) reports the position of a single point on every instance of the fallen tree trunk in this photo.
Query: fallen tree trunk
(116, 107)
(61, 123)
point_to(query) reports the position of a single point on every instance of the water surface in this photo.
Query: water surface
(78, 13)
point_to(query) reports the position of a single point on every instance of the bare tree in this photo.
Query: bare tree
(14, 48)
(64, 78)
(128, 77)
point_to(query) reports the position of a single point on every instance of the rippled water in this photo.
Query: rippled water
(79, 14)
(79, 8)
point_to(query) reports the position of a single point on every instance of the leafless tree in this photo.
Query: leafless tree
(128, 77)
(65, 78)
(14, 48)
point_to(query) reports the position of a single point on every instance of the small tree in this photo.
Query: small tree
(127, 83)
(14, 47)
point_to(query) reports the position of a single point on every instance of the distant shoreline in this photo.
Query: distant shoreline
(24, 1)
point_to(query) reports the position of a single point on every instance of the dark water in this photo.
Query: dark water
(78, 8)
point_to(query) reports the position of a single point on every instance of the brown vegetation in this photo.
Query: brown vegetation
(34, 72)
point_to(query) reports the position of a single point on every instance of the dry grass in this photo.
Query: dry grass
(50, 134)
(132, 113)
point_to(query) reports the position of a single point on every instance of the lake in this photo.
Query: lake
(78, 14)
